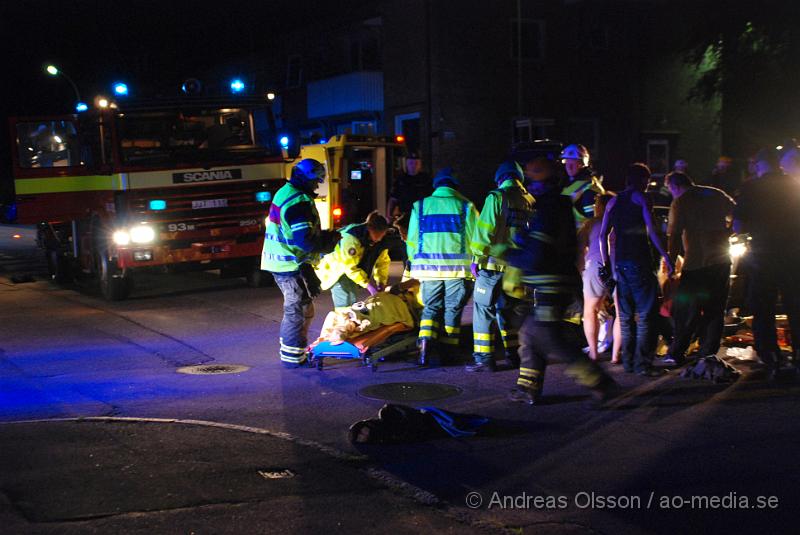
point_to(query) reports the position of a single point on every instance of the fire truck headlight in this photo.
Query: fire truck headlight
(142, 234)
(121, 237)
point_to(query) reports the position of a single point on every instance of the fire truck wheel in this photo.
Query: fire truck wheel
(59, 267)
(114, 285)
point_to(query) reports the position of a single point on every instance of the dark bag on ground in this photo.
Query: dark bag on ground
(711, 368)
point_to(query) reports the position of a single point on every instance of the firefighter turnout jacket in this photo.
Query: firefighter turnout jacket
(582, 191)
(542, 269)
(439, 232)
(292, 231)
(347, 258)
(506, 211)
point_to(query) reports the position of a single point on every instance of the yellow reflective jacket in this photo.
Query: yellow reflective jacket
(438, 235)
(505, 213)
(346, 259)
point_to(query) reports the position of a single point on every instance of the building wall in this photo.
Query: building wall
(589, 74)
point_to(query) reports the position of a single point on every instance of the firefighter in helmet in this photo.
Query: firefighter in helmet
(293, 241)
(358, 261)
(582, 186)
(505, 212)
(438, 235)
(543, 274)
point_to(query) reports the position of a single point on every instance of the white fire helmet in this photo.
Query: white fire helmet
(576, 152)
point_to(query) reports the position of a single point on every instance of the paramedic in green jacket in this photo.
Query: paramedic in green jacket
(504, 214)
(293, 241)
(438, 238)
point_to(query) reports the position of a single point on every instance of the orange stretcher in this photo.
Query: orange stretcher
(370, 347)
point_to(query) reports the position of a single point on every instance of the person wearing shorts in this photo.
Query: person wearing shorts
(595, 294)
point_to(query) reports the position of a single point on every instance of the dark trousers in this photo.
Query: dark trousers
(547, 341)
(637, 293)
(698, 307)
(298, 289)
(491, 304)
(444, 302)
(769, 275)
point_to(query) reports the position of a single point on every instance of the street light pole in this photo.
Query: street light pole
(52, 70)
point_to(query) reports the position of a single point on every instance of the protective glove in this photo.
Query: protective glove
(372, 289)
(474, 269)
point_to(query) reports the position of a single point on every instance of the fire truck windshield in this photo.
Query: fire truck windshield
(163, 137)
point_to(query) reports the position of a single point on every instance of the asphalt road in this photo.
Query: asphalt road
(672, 455)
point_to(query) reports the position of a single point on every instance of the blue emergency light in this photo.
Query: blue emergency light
(237, 86)
(263, 196)
(284, 141)
(81, 106)
(323, 141)
(158, 204)
(121, 89)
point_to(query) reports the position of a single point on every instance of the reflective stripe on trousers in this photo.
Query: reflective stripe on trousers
(443, 302)
(298, 311)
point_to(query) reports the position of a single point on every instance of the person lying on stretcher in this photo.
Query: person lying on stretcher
(397, 304)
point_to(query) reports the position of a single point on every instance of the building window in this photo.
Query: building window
(294, 71)
(527, 39)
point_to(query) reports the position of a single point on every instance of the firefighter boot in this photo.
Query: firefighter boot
(528, 396)
(426, 352)
(529, 387)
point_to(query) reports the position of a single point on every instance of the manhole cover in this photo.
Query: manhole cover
(409, 391)
(213, 369)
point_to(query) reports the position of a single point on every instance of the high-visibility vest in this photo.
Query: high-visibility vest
(283, 251)
(505, 213)
(438, 235)
(575, 190)
(346, 259)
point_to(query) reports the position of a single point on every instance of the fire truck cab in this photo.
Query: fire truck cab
(175, 184)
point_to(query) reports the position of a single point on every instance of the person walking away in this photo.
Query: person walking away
(542, 272)
(629, 216)
(582, 186)
(699, 224)
(595, 294)
(438, 235)
(293, 241)
(354, 265)
(767, 209)
(505, 211)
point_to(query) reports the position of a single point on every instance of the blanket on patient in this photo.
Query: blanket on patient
(377, 310)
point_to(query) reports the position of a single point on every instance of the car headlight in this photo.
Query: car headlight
(142, 234)
(737, 249)
(121, 237)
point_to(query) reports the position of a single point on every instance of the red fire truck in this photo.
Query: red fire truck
(175, 184)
